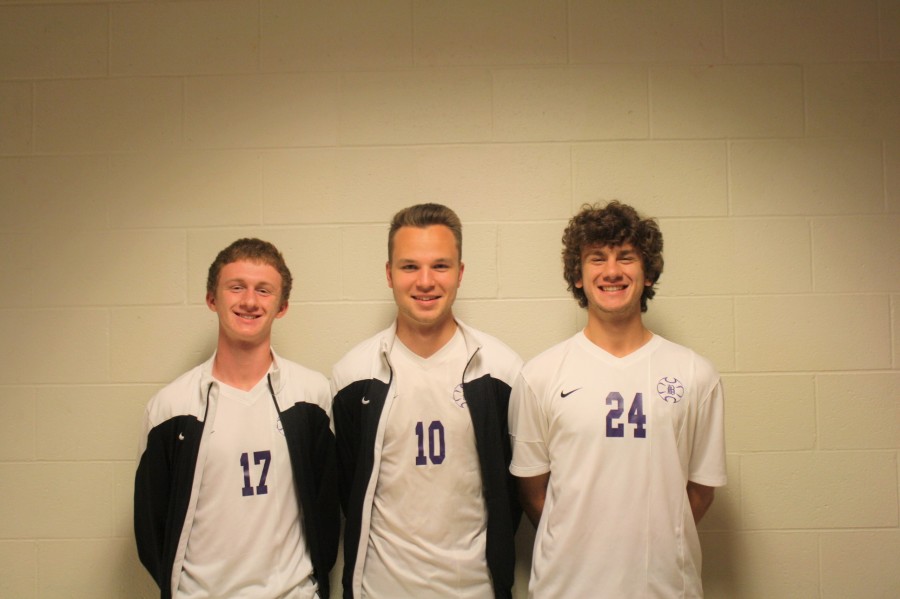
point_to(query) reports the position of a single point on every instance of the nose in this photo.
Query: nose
(612, 270)
(425, 278)
(248, 298)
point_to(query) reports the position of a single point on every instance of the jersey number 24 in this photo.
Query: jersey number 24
(615, 428)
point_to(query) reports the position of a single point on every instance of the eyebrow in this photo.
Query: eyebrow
(446, 260)
(610, 251)
(244, 282)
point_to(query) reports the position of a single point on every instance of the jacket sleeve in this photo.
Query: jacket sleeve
(162, 487)
(151, 490)
(324, 519)
(347, 435)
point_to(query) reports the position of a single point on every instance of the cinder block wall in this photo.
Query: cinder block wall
(138, 138)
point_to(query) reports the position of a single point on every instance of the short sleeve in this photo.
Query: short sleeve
(707, 463)
(528, 429)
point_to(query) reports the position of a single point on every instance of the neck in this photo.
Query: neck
(241, 366)
(618, 337)
(425, 341)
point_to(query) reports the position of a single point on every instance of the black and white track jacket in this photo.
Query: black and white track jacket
(366, 373)
(169, 472)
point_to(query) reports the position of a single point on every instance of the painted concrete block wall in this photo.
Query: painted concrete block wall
(138, 138)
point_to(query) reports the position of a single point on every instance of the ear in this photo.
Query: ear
(579, 283)
(387, 273)
(462, 268)
(282, 311)
(211, 301)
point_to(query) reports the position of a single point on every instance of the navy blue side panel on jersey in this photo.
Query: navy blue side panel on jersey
(357, 409)
(314, 461)
(356, 424)
(165, 476)
(163, 482)
(488, 400)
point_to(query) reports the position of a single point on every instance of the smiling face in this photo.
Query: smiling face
(424, 273)
(613, 281)
(613, 225)
(247, 300)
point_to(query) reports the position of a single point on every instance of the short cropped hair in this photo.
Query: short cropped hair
(254, 250)
(425, 215)
(614, 224)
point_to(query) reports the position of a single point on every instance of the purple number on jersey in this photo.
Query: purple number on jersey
(436, 446)
(258, 456)
(636, 415)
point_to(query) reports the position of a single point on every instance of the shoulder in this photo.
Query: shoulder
(497, 349)
(549, 359)
(301, 375)
(541, 373)
(496, 357)
(362, 352)
(363, 361)
(693, 370)
(700, 366)
(301, 384)
(180, 397)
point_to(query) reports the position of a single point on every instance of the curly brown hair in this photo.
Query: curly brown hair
(614, 224)
(254, 250)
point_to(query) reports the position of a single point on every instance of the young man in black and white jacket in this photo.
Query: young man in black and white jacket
(236, 490)
(420, 415)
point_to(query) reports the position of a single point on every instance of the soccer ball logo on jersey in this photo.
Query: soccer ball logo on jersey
(458, 397)
(670, 389)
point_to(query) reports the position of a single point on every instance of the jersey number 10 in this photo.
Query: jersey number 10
(436, 448)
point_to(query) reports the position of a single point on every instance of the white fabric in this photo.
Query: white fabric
(246, 545)
(427, 535)
(616, 520)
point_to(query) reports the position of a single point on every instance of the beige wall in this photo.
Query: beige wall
(138, 138)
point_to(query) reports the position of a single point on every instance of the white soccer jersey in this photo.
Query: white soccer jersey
(427, 537)
(246, 536)
(621, 437)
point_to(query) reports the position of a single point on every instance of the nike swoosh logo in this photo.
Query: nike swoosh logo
(568, 393)
(365, 401)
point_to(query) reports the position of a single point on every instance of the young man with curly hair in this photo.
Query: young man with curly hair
(617, 432)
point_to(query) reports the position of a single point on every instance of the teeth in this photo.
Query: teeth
(614, 288)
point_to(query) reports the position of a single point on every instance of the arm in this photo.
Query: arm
(532, 492)
(700, 497)
(346, 446)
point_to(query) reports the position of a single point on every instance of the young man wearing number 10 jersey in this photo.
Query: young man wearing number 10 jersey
(236, 487)
(617, 433)
(420, 413)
